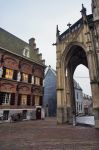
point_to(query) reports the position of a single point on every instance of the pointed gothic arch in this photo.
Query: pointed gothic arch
(74, 47)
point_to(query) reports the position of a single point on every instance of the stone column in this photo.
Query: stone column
(61, 97)
(94, 85)
(72, 107)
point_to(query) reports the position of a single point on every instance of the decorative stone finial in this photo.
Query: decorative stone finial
(84, 15)
(57, 31)
(83, 11)
(69, 25)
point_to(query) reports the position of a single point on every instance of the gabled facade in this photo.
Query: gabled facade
(49, 100)
(21, 76)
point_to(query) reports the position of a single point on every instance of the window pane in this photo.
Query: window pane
(24, 99)
(37, 100)
(6, 97)
(37, 81)
(24, 77)
(9, 74)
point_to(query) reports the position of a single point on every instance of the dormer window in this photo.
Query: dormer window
(26, 52)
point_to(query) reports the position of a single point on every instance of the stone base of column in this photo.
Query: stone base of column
(71, 116)
(61, 115)
(97, 124)
(96, 115)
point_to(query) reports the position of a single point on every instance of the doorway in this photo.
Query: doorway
(38, 113)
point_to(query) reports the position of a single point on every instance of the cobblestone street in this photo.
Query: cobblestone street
(47, 135)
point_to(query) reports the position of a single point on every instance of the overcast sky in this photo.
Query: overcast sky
(38, 19)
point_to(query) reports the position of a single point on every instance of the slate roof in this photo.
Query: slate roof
(15, 45)
(78, 23)
(49, 68)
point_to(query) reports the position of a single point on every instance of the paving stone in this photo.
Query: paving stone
(47, 135)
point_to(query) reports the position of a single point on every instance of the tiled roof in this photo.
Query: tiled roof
(15, 45)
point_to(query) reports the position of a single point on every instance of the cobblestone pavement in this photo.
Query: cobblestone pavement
(47, 135)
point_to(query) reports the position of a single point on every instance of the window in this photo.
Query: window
(9, 74)
(40, 102)
(28, 100)
(6, 97)
(37, 80)
(5, 115)
(77, 107)
(12, 100)
(37, 98)
(81, 107)
(33, 100)
(15, 75)
(23, 99)
(41, 81)
(29, 78)
(19, 100)
(25, 77)
(77, 95)
(26, 52)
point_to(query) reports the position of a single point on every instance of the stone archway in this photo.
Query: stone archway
(73, 47)
(74, 55)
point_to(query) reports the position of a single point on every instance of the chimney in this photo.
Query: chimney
(40, 56)
(43, 61)
(32, 43)
(36, 50)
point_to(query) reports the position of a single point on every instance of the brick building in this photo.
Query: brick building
(21, 77)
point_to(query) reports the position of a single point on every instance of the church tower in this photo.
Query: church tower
(95, 9)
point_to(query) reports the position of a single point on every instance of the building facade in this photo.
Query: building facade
(87, 103)
(78, 99)
(49, 99)
(21, 77)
